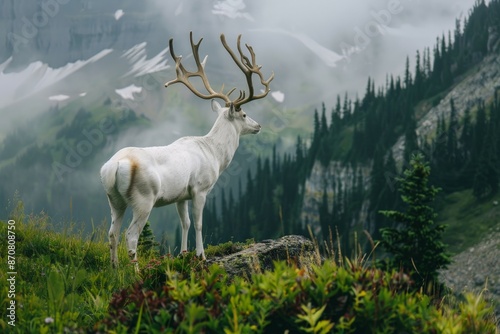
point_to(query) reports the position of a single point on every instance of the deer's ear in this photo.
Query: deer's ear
(215, 106)
(230, 112)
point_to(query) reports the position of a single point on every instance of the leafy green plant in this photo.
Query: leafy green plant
(67, 285)
(311, 317)
(348, 298)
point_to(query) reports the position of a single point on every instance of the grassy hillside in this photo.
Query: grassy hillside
(63, 283)
(468, 220)
(62, 280)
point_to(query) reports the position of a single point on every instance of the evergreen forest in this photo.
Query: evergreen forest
(361, 134)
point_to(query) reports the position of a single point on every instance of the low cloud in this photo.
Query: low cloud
(303, 42)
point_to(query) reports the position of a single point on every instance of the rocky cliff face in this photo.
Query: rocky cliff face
(479, 84)
(331, 178)
(475, 269)
(61, 31)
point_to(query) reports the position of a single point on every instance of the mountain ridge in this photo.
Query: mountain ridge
(481, 85)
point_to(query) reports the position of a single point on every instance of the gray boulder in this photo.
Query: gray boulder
(261, 256)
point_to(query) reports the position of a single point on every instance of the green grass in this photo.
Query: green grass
(64, 283)
(468, 220)
(63, 279)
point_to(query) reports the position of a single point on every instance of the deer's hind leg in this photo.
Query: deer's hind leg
(141, 211)
(117, 211)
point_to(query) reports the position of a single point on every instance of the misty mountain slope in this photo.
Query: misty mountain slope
(57, 158)
(480, 84)
(87, 110)
(304, 57)
(38, 87)
(60, 157)
(61, 32)
(444, 106)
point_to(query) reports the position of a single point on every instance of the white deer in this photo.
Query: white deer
(187, 169)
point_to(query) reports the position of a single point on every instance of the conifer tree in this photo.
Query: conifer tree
(324, 215)
(439, 149)
(452, 164)
(419, 78)
(377, 179)
(317, 126)
(465, 139)
(224, 227)
(416, 243)
(231, 224)
(438, 62)
(452, 141)
(427, 63)
(346, 108)
(164, 249)
(147, 242)
(336, 115)
(411, 140)
(324, 123)
(465, 153)
(316, 140)
(408, 79)
(486, 178)
(479, 132)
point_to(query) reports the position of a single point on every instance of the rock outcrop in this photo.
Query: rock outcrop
(262, 255)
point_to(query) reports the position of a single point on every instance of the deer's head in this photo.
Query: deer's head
(232, 109)
(238, 118)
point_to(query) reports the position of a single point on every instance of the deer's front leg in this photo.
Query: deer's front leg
(182, 210)
(198, 205)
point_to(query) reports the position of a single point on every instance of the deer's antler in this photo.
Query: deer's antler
(183, 75)
(247, 66)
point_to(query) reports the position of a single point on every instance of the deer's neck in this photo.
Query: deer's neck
(224, 139)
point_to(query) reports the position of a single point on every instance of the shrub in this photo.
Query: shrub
(349, 298)
(65, 284)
